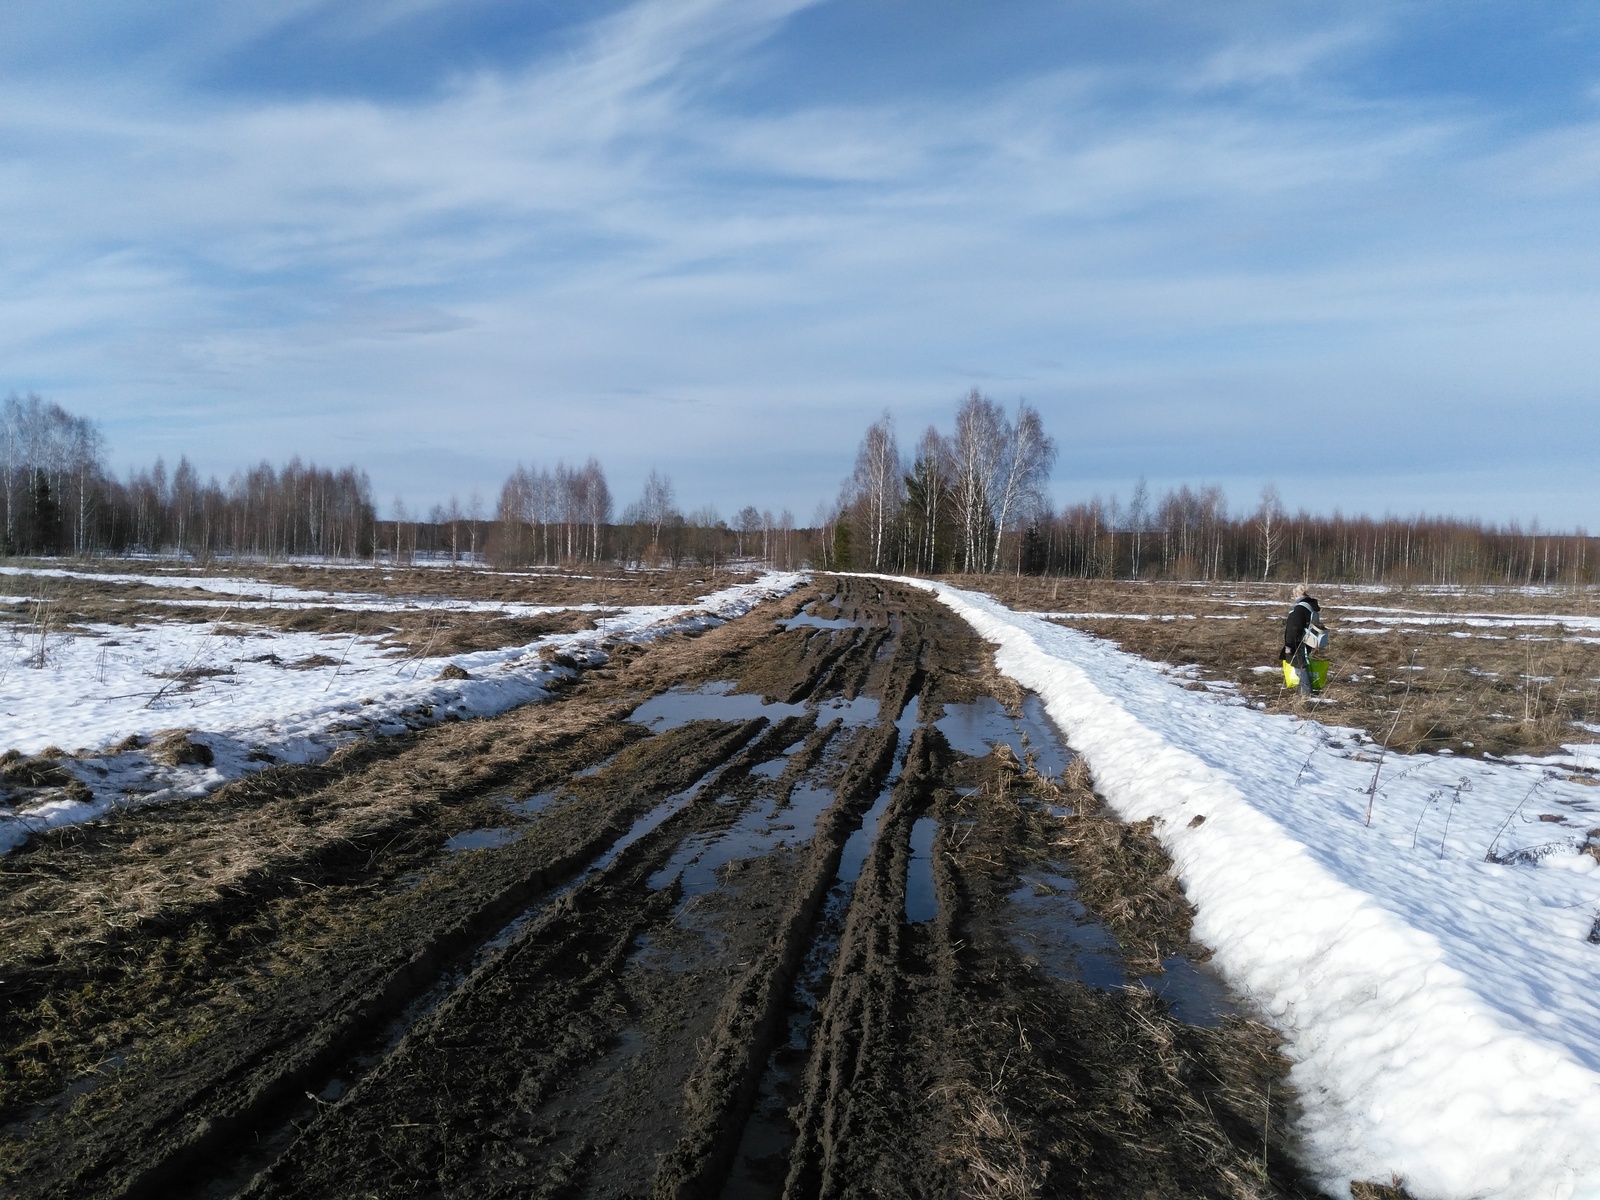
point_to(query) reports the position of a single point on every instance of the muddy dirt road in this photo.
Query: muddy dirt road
(813, 904)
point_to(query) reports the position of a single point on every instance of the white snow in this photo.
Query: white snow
(94, 691)
(1441, 1010)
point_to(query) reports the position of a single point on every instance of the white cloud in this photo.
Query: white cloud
(601, 252)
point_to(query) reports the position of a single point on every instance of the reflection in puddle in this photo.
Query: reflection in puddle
(1195, 994)
(642, 826)
(1049, 924)
(763, 828)
(1043, 738)
(718, 702)
(533, 805)
(922, 903)
(595, 768)
(975, 728)
(481, 839)
(807, 618)
(859, 843)
(863, 710)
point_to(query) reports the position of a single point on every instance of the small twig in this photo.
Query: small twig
(342, 657)
(181, 676)
(1417, 832)
(1488, 855)
(1306, 765)
(1266, 1129)
(1448, 816)
(1383, 748)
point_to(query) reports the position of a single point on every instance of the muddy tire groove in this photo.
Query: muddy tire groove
(703, 921)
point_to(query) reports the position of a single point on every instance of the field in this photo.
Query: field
(461, 884)
(1463, 670)
(752, 908)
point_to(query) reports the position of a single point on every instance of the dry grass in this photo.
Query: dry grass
(1451, 684)
(988, 1148)
(427, 625)
(1393, 1190)
(1124, 876)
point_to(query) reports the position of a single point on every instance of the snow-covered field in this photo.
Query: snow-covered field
(1433, 972)
(248, 704)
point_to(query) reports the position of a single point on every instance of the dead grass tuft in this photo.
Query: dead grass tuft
(1124, 876)
(16, 770)
(1395, 1189)
(989, 1148)
(177, 749)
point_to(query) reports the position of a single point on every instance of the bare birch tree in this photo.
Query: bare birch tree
(878, 486)
(1269, 521)
(1138, 518)
(976, 451)
(656, 504)
(1028, 454)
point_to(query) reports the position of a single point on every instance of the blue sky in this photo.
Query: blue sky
(1351, 250)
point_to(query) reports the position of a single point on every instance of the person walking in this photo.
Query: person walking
(1296, 652)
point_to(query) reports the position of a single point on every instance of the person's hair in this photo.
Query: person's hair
(1300, 590)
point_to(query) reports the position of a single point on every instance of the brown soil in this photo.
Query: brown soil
(295, 987)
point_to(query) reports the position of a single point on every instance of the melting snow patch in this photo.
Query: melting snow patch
(251, 711)
(1432, 972)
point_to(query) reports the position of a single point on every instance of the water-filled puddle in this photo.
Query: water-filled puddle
(863, 710)
(595, 768)
(719, 702)
(978, 727)
(651, 820)
(1050, 925)
(1195, 994)
(713, 702)
(481, 839)
(975, 728)
(1043, 738)
(763, 828)
(922, 902)
(807, 618)
(532, 805)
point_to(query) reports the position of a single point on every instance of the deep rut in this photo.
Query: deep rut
(681, 961)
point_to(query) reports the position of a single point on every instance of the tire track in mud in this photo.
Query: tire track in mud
(197, 1105)
(760, 939)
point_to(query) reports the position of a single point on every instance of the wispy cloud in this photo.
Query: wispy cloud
(559, 254)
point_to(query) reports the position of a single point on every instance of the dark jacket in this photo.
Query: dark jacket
(1301, 615)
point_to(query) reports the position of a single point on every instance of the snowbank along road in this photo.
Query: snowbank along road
(1432, 969)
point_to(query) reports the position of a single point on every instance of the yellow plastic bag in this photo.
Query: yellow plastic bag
(1319, 675)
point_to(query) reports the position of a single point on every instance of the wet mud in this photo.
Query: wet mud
(811, 904)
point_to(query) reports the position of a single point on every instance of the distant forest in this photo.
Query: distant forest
(972, 501)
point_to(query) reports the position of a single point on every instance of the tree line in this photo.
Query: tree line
(57, 496)
(974, 501)
(970, 501)
(547, 516)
